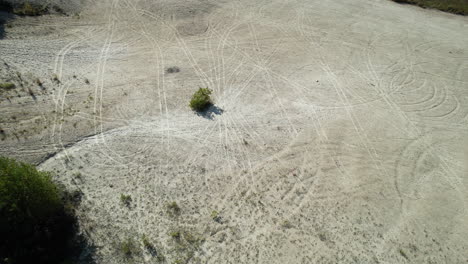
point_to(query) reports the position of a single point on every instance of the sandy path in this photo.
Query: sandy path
(339, 136)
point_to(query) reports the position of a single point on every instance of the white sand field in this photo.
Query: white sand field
(339, 132)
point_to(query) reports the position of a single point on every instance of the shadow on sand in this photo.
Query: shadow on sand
(211, 112)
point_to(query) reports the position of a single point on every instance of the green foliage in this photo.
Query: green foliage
(286, 224)
(160, 258)
(453, 6)
(125, 199)
(7, 86)
(201, 99)
(146, 243)
(173, 208)
(25, 192)
(192, 238)
(215, 216)
(28, 9)
(187, 243)
(55, 78)
(35, 226)
(175, 235)
(128, 248)
(403, 253)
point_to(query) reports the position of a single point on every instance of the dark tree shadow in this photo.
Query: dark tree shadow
(5, 16)
(2, 28)
(211, 112)
(85, 252)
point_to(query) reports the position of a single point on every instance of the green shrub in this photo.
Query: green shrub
(201, 99)
(403, 253)
(215, 216)
(146, 243)
(173, 69)
(125, 199)
(35, 226)
(175, 235)
(173, 208)
(7, 86)
(127, 247)
(28, 9)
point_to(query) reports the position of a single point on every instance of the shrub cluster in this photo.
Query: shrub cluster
(36, 225)
(7, 86)
(201, 99)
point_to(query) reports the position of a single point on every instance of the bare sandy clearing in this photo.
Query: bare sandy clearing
(342, 136)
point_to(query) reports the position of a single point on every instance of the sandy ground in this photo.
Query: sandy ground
(339, 134)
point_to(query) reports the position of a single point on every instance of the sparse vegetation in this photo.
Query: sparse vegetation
(173, 208)
(146, 243)
(187, 243)
(403, 253)
(192, 238)
(38, 82)
(55, 78)
(160, 258)
(286, 224)
(28, 9)
(37, 224)
(322, 237)
(201, 99)
(175, 235)
(128, 248)
(453, 6)
(173, 69)
(126, 199)
(215, 216)
(7, 86)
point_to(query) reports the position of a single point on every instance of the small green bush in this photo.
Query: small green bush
(7, 86)
(28, 9)
(127, 247)
(173, 208)
(175, 235)
(201, 99)
(215, 216)
(147, 243)
(173, 69)
(125, 199)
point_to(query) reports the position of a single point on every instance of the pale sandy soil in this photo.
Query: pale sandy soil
(339, 134)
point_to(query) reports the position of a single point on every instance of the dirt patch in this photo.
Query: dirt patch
(337, 134)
